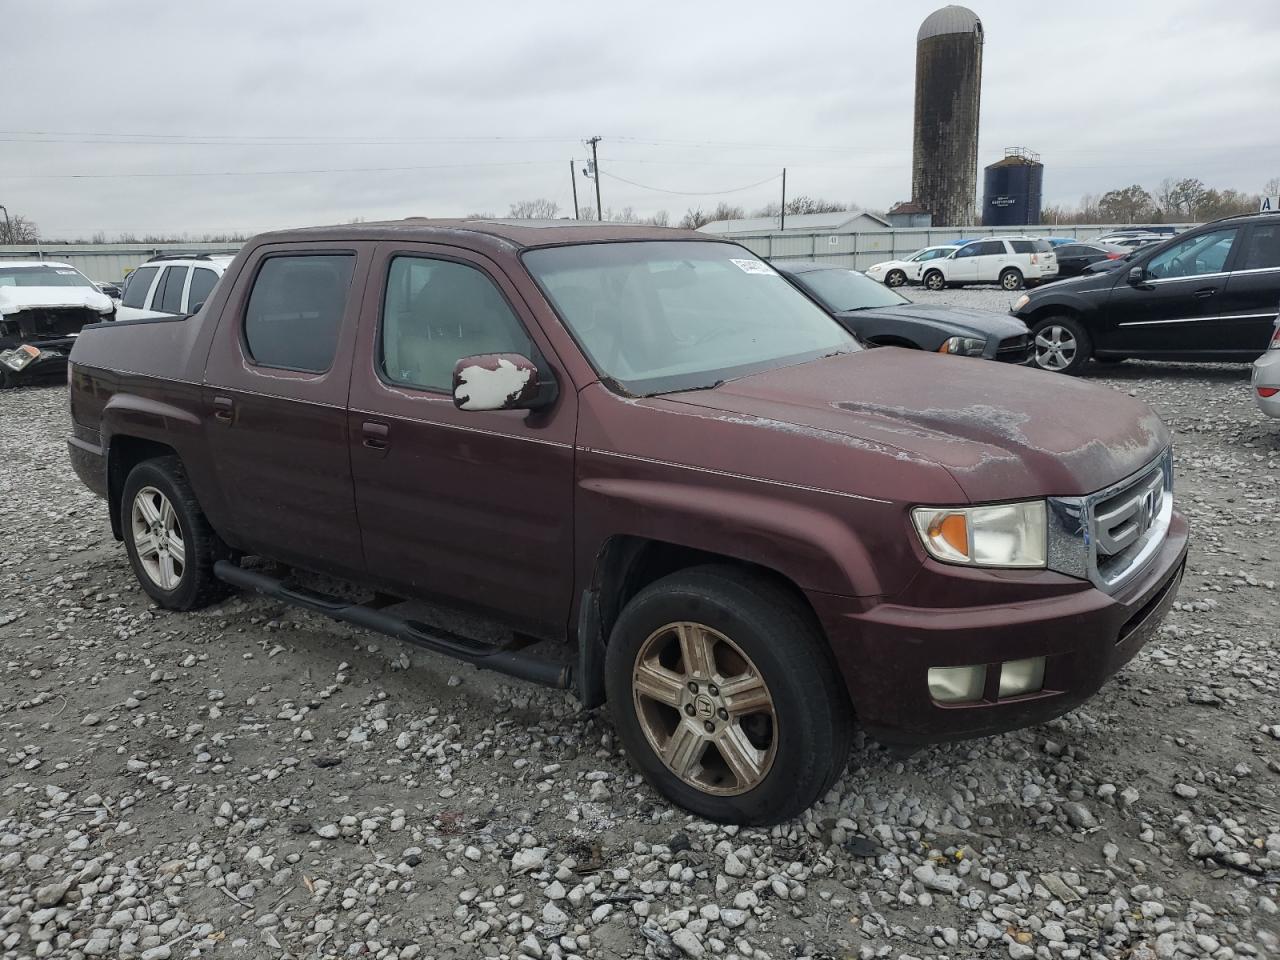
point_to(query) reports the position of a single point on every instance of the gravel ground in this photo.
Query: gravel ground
(252, 781)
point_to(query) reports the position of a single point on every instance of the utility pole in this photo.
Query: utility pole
(782, 219)
(8, 230)
(573, 180)
(595, 166)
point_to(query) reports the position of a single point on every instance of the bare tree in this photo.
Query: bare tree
(659, 219)
(539, 209)
(18, 229)
(803, 204)
(1272, 187)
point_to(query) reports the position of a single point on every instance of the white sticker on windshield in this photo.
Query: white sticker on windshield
(753, 266)
(65, 273)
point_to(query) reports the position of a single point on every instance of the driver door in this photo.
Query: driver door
(962, 266)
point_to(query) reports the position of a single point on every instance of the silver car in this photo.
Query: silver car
(1266, 377)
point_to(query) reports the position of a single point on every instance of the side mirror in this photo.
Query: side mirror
(501, 381)
(196, 308)
(1137, 275)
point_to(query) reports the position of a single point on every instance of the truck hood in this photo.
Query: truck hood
(1002, 432)
(15, 299)
(956, 320)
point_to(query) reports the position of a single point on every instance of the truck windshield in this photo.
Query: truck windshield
(660, 316)
(43, 276)
(843, 290)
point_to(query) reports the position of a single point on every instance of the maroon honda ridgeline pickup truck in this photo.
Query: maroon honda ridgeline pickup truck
(745, 531)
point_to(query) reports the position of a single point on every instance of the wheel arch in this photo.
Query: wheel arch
(124, 452)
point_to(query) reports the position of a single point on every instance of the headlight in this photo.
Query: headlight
(963, 346)
(1018, 304)
(875, 268)
(997, 535)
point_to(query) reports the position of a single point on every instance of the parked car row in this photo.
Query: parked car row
(1012, 262)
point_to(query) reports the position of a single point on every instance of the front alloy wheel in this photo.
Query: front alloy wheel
(1056, 348)
(895, 278)
(704, 708)
(157, 538)
(934, 280)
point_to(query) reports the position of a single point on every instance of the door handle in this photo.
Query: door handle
(224, 409)
(376, 435)
(1205, 292)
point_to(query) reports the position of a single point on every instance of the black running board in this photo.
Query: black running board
(513, 663)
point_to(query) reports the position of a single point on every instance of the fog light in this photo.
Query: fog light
(957, 684)
(1021, 676)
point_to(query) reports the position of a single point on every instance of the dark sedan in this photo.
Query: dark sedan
(882, 317)
(1074, 258)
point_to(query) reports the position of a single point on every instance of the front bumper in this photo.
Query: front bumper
(885, 651)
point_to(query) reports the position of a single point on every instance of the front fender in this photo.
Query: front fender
(810, 546)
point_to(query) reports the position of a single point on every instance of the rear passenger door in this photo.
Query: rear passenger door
(275, 399)
(1247, 312)
(475, 508)
(167, 297)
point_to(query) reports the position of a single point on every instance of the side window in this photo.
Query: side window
(970, 251)
(202, 283)
(170, 298)
(991, 248)
(1023, 246)
(1198, 255)
(1073, 250)
(135, 294)
(1263, 250)
(295, 310)
(435, 313)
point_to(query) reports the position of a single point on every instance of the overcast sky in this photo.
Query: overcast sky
(253, 115)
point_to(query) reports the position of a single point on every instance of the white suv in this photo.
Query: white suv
(168, 286)
(1009, 261)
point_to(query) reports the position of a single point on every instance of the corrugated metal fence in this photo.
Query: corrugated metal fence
(861, 250)
(108, 261)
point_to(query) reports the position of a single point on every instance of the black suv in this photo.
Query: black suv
(1205, 295)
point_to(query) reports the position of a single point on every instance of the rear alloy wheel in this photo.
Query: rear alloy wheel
(1011, 279)
(726, 697)
(170, 544)
(934, 280)
(1061, 344)
(895, 278)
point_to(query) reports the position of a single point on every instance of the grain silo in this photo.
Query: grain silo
(944, 169)
(1011, 189)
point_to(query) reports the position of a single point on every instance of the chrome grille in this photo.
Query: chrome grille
(1110, 535)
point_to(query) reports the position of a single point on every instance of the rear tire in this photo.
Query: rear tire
(726, 675)
(170, 544)
(1062, 345)
(1011, 279)
(895, 278)
(934, 280)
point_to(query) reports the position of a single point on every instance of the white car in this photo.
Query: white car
(1266, 377)
(1011, 262)
(169, 286)
(43, 305)
(895, 273)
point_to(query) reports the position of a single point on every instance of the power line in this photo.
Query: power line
(273, 173)
(58, 136)
(693, 193)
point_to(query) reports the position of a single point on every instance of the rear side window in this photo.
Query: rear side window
(295, 311)
(989, 248)
(202, 283)
(175, 278)
(1263, 250)
(1074, 250)
(135, 294)
(1023, 246)
(435, 313)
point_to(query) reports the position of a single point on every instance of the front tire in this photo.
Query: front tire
(170, 543)
(725, 695)
(1062, 345)
(1011, 279)
(934, 280)
(895, 278)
